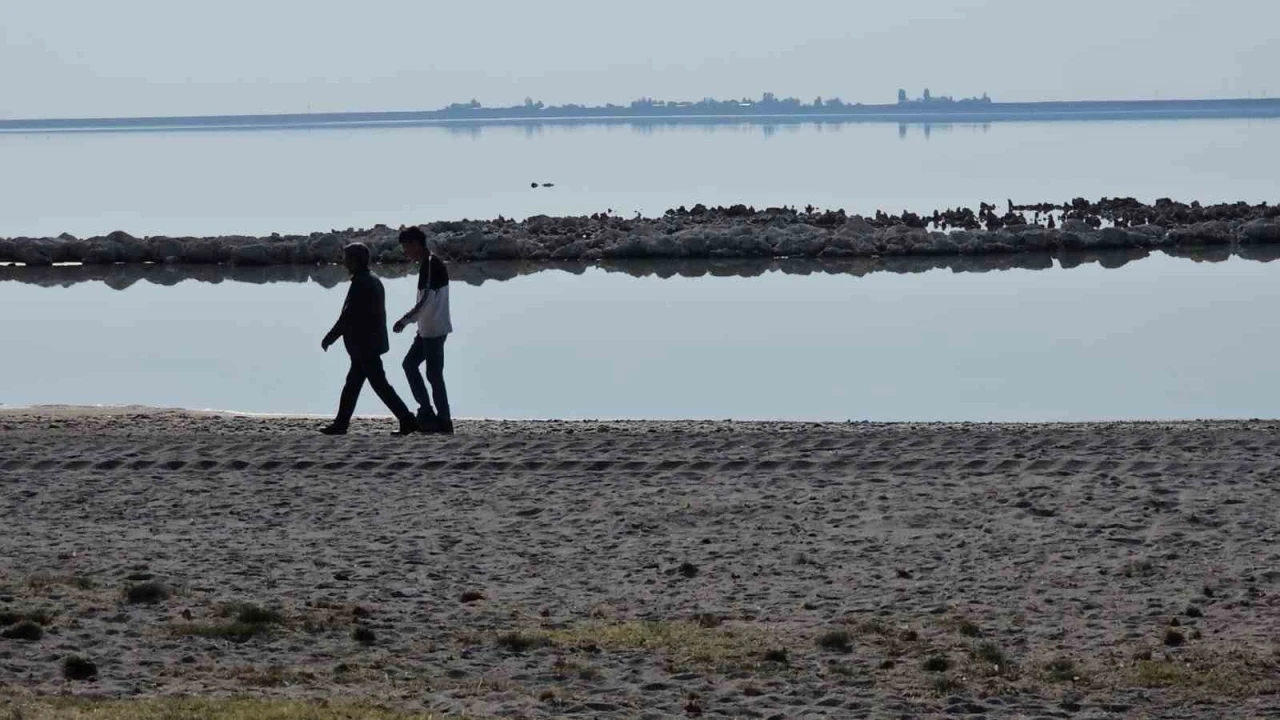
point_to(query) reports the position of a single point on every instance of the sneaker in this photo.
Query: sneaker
(443, 427)
(334, 429)
(406, 428)
(426, 421)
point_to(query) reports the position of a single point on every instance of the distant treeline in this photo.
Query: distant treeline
(767, 109)
(767, 104)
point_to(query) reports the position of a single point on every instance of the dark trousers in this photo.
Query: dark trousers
(430, 351)
(369, 367)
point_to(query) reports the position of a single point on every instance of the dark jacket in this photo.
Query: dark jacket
(363, 323)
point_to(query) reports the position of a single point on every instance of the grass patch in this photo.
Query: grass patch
(522, 642)
(65, 708)
(44, 582)
(241, 621)
(13, 617)
(323, 616)
(251, 614)
(992, 654)
(553, 696)
(1161, 673)
(1061, 670)
(78, 668)
(708, 620)
(147, 593)
(273, 676)
(836, 641)
(874, 626)
(25, 630)
(948, 685)
(566, 668)
(937, 663)
(1206, 675)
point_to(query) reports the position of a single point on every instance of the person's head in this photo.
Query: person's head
(414, 243)
(356, 257)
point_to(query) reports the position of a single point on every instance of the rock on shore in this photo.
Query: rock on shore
(734, 232)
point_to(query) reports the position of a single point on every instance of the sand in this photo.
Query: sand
(650, 569)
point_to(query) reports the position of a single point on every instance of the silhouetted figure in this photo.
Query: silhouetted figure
(431, 313)
(363, 329)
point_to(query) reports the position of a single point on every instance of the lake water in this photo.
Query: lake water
(1159, 337)
(257, 182)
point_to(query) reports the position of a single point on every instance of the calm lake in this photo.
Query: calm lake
(258, 182)
(1160, 337)
(1156, 338)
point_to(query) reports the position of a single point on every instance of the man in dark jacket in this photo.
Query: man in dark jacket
(363, 329)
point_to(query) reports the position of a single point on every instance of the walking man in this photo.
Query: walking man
(363, 329)
(431, 312)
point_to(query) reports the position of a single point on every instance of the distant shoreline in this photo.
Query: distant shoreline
(679, 114)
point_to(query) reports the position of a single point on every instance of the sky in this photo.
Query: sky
(88, 58)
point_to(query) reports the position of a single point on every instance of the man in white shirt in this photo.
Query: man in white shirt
(431, 312)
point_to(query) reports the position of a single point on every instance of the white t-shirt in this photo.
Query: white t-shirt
(432, 305)
(433, 316)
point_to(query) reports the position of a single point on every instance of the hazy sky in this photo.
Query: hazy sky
(143, 57)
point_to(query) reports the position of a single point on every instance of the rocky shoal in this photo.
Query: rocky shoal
(700, 232)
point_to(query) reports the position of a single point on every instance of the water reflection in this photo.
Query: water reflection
(928, 128)
(788, 339)
(768, 125)
(123, 276)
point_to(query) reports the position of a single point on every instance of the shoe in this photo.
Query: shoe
(333, 430)
(406, 429)
(443, 427)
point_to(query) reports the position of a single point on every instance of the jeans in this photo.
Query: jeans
(369, 367)
(431, 351)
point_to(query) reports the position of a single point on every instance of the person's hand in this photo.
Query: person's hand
(325, 343)
(399, 326)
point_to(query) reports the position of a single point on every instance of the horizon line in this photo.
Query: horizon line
(644, 106)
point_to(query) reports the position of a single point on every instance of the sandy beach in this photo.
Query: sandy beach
(647, 569)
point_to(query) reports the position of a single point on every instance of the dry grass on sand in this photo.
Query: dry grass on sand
(54, 708)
